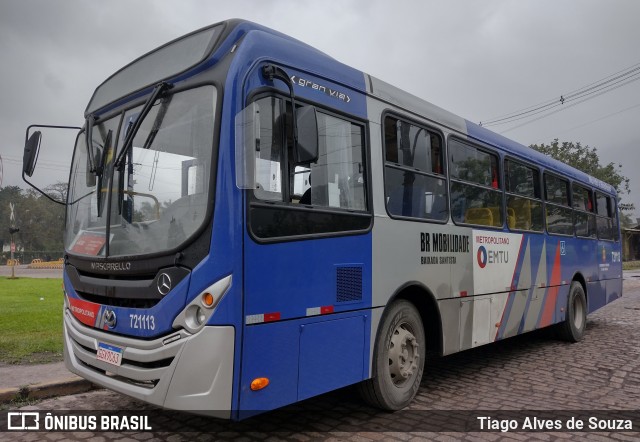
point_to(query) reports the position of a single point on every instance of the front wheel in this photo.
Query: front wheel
(398, 359)
(574, 325)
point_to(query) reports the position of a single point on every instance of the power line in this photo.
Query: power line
(566, 107)
(604, 117)
(592, 90)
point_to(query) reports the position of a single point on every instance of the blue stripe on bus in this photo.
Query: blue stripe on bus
(244, 76)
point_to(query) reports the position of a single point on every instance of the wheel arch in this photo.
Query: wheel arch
(425, 302)
(579, 277)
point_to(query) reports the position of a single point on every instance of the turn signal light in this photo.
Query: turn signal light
(207, 299)
(259, 384)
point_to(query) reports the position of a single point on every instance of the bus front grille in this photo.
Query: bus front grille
(143, 362)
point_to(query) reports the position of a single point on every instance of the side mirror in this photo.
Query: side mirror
(307, 124)
(31, 149)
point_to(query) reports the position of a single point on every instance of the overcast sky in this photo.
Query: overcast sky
(479, 59)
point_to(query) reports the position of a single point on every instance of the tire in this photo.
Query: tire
(399, 355)
(574, 325)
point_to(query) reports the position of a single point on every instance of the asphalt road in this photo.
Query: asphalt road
(22, 271)
(532, 372)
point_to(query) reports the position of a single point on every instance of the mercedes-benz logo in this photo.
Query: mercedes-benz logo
(110, 318)
(164, 284)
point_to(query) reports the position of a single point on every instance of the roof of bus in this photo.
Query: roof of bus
(524, 152)
(427, 110)
(430, 111)
(238, 28)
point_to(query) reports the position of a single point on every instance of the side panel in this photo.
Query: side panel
(307, 300)
(271, 351)
(331, 355)
(302, 358)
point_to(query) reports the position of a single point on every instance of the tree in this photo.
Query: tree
(586, 159)
(57, 191)
(41, 221)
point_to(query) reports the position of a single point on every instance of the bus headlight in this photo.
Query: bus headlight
(198, 312)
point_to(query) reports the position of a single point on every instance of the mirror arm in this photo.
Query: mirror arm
(272, 72)
(24, 177)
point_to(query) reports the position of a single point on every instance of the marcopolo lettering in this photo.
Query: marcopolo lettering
(111, 266)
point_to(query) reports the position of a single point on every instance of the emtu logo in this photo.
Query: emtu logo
(482, 257)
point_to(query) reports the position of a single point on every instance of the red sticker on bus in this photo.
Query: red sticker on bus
(84, 311)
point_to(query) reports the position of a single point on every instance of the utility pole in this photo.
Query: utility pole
(12, 230)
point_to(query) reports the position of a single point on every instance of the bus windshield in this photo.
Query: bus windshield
(158, 198)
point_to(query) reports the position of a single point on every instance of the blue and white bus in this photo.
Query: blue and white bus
(251, 223)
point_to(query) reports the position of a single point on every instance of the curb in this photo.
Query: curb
(61, 387)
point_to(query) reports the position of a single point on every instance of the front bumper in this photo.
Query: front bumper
(181, 371)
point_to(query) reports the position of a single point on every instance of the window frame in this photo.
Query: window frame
(611, 215)
(569, 205)
(508, 194)
(500, 173)
(252, 202)
(576, 210)
(397, 166)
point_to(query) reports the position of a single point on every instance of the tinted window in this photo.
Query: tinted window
(475, 186)
(521, 179)
(473, 165)
(556, 190)
(584, 219)
(602, 204)
(559, 220)
(524, 208)
(414, 182)
(606, 221)
(559, 216)
(413, 146)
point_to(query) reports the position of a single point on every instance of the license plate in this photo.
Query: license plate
(109, 354)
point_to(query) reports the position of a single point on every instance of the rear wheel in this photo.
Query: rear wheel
(575, 322)
(398, 359)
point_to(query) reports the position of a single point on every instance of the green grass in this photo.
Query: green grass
(30, 320)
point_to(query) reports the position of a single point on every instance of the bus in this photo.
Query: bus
(251, 223)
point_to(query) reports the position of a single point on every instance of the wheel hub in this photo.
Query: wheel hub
(403, 355)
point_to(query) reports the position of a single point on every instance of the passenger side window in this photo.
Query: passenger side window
(524, 202)
(476, 197)
(559, 215)
(584, 218)
(415, 185)
(605, 217)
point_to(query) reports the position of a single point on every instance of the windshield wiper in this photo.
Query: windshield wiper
(100, 171)
(131, 133)
(157, 123)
